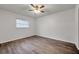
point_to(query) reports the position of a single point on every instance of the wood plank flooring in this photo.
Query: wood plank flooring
(37, 45)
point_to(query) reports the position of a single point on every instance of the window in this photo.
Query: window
(22, 23)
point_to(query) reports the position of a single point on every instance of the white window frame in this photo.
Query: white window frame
(20, 23)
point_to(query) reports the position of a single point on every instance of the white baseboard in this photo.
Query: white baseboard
(56, 39)
(14, 39)
(77, 47)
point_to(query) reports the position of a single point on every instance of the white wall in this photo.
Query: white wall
(8, 30)
(76, 27)
(60, 26)
(77, 7)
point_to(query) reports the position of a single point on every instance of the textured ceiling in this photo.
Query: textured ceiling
(23, 9)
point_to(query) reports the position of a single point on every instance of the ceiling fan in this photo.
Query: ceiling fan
(37, 8)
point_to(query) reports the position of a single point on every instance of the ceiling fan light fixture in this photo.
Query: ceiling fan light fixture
(37, 11)
(37, 8)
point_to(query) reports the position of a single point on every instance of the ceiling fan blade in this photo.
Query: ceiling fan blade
(32, 5)
(30, 10)
(42, 6)
(42, 11)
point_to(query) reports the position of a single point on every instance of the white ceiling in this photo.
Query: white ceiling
(23, 9)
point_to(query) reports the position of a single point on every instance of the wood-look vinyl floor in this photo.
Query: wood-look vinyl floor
(37, 45)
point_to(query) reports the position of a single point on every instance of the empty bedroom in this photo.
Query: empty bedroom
(39, 29)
